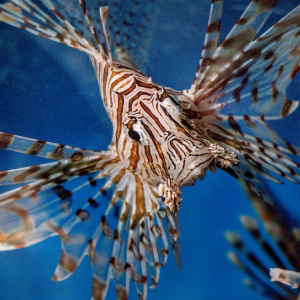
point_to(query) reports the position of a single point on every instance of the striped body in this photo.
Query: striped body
(118, 204)
(152, 137)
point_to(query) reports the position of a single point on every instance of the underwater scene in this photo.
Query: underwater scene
(229, 238)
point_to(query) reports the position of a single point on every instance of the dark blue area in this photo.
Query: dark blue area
(49, 91)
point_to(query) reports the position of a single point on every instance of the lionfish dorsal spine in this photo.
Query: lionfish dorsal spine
(51, 24)
(244, 31)
(91, 25)
(103, 14)
(210, 42)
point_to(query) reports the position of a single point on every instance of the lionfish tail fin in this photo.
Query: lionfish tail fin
(108, 213)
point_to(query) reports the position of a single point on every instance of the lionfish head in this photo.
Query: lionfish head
(154, 136)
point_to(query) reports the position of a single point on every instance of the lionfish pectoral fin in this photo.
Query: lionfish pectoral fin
(96, 207)
(52, 20)
(215, 58)
(41, 148)
(175, 238)
(250, 181)
(30, 213)
(210, 43)
(133, 233)
(249, 89)
(45, 21)
(277, 239)
(60, 21)
(28, 174)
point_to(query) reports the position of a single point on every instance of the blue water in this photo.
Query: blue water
(49, 91)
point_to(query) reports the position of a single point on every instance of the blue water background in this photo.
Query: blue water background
(49, 91)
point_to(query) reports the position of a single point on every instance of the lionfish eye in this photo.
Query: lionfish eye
(134, 135)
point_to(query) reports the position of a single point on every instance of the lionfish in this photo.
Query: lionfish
(117, 205)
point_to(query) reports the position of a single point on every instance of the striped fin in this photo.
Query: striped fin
(261, 150)
(46, 171)
(240, 36)
(64, 22)
(257, 284)
(130, 26)
(46, 21)
(248, 91)
(256, 270)
(27, 174)
(40, 148)
(251, 225)
(251, 180)
(80, 16)
(258, 157)
(210, 43)
(279, 225)
(36, 200)
(97, 208)
(236, 241)
(258, 75)
(126, 242)
(282, 251)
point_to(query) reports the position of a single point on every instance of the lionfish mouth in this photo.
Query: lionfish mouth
(170, 194)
